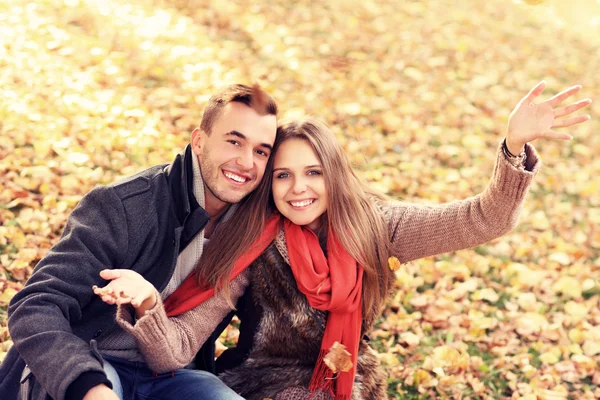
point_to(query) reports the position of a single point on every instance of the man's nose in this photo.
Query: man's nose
(245, 160)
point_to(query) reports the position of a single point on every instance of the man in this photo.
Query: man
(154, 223)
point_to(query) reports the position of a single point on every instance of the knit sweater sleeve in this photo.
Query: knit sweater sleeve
(418, 231)
(168, 344)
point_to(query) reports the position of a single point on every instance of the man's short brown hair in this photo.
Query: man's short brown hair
(253, 97)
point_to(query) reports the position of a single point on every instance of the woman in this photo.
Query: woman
(319, 267)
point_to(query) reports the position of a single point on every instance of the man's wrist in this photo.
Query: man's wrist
(84, 382)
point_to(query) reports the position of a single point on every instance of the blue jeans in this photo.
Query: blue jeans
(133, 380)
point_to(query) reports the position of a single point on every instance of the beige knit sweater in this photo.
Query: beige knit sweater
(416, 231)
(169, 344)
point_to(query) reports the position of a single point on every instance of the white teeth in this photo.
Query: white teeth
(236, 178)
(302, 203)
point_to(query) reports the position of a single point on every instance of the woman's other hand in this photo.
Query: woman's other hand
(530, 121)
(127, 287)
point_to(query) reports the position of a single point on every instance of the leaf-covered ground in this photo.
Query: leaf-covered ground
(419, 93)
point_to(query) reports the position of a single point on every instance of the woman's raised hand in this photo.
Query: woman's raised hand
(127, 287)
(530, 121)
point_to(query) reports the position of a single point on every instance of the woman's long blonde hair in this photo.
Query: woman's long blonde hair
(351, 214)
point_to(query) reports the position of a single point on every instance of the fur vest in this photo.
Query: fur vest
(288, 340)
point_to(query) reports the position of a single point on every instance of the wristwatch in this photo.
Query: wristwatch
(517, 161)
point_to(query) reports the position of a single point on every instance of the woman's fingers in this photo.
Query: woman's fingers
(104, 291)
(571, 108)
(108, 299)
(562, 96)
(556, 135)
(561, 123)
(125, 287)
(110, 274)
(123, 300)
(533, 93)
(139, 299)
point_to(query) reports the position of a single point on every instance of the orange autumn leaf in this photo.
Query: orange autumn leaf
(338, 358)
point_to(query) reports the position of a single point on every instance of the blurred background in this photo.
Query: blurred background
(418, 92)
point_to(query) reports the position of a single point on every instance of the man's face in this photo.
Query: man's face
(234, 156)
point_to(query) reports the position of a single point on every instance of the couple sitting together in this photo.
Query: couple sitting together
(266, 220)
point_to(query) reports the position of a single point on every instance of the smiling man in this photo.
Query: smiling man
(67, 343)
(233, 155)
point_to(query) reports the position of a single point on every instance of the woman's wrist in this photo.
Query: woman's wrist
(516, 160)
(146, 306)
(514, 149)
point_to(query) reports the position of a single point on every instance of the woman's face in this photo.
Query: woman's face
(298, 183)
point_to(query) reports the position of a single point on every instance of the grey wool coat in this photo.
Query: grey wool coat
(140, 223)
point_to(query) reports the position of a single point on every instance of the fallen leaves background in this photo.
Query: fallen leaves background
(418, 92)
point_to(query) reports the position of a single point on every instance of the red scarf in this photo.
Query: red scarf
(331, 284)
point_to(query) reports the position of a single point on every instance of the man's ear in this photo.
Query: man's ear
(197, 142)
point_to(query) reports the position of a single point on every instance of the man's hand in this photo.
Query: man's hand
(100, 392)
(127, 287)
(529, 121)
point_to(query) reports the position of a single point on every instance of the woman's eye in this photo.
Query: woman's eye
(282, 175)
(314, 172)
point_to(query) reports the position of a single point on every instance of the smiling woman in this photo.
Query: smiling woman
(298, 183)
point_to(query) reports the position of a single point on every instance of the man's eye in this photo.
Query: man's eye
(234, 142)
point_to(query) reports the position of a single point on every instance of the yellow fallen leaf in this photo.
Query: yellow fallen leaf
(443, 356)
(591, 348)
(530, 323)
(101, 291)
(568, 286)
(549, 357)
(576, 311)
(410, 339)
(576, 336)
(388, 359)
(394, 263)
(560, 257)
(7, 295)
(487, 294)
(529, 397)
(527, 301)
(338, 358)
(422, 378)
(539, 221)
(5, 346)
(544, 394)
(586, 363)
(219, 347)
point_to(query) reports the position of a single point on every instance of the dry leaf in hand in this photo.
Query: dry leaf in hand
(338, 358)
(101, 291)
(394, 263)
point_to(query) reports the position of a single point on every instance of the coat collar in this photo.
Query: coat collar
(191, 216)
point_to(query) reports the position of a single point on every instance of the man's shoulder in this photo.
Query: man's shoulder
(140, 182)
